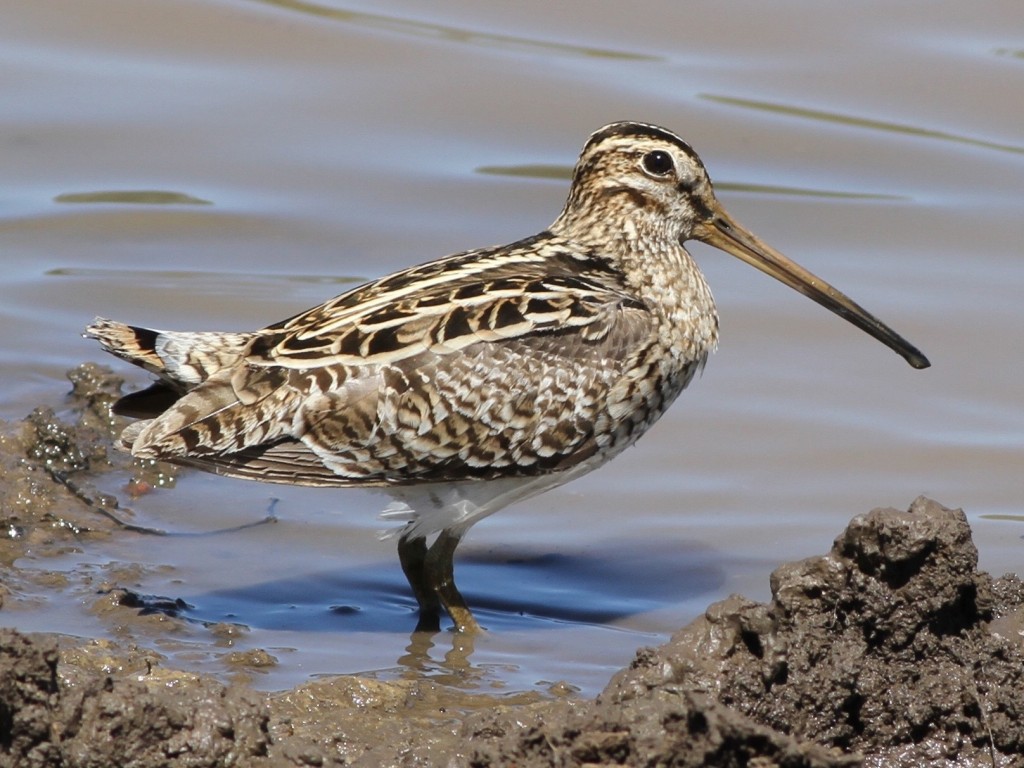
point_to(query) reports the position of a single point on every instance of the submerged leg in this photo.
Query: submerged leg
(412, 553)
(431, 574)
(440, 574)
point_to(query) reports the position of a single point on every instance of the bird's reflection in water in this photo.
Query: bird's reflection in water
(454, 670)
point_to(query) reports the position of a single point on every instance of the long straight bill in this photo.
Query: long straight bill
(724, 232)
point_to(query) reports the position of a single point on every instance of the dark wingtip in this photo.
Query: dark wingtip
(147, 403)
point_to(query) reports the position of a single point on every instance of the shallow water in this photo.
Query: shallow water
(225, 164)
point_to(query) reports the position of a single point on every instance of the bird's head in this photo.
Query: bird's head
(641, 176)
(639, 183)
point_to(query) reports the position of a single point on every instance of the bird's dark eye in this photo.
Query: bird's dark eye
(658, 162)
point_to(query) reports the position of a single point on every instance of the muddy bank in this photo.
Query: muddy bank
(890, 650)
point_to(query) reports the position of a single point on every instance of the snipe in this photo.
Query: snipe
(470, 382)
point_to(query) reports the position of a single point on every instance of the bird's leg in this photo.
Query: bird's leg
(412, 553)
(439, 572)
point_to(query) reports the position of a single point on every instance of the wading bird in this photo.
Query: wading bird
(467, 383)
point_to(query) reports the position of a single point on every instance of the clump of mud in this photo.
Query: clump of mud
(47, 462)
(891, 650)
(103, 721)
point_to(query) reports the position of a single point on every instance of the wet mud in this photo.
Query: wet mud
(890, 650)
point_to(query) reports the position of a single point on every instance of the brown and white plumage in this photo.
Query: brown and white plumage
(469, 382)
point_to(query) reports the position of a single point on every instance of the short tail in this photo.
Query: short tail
(182, 358)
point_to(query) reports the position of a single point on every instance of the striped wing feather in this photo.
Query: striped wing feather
(467, 369)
